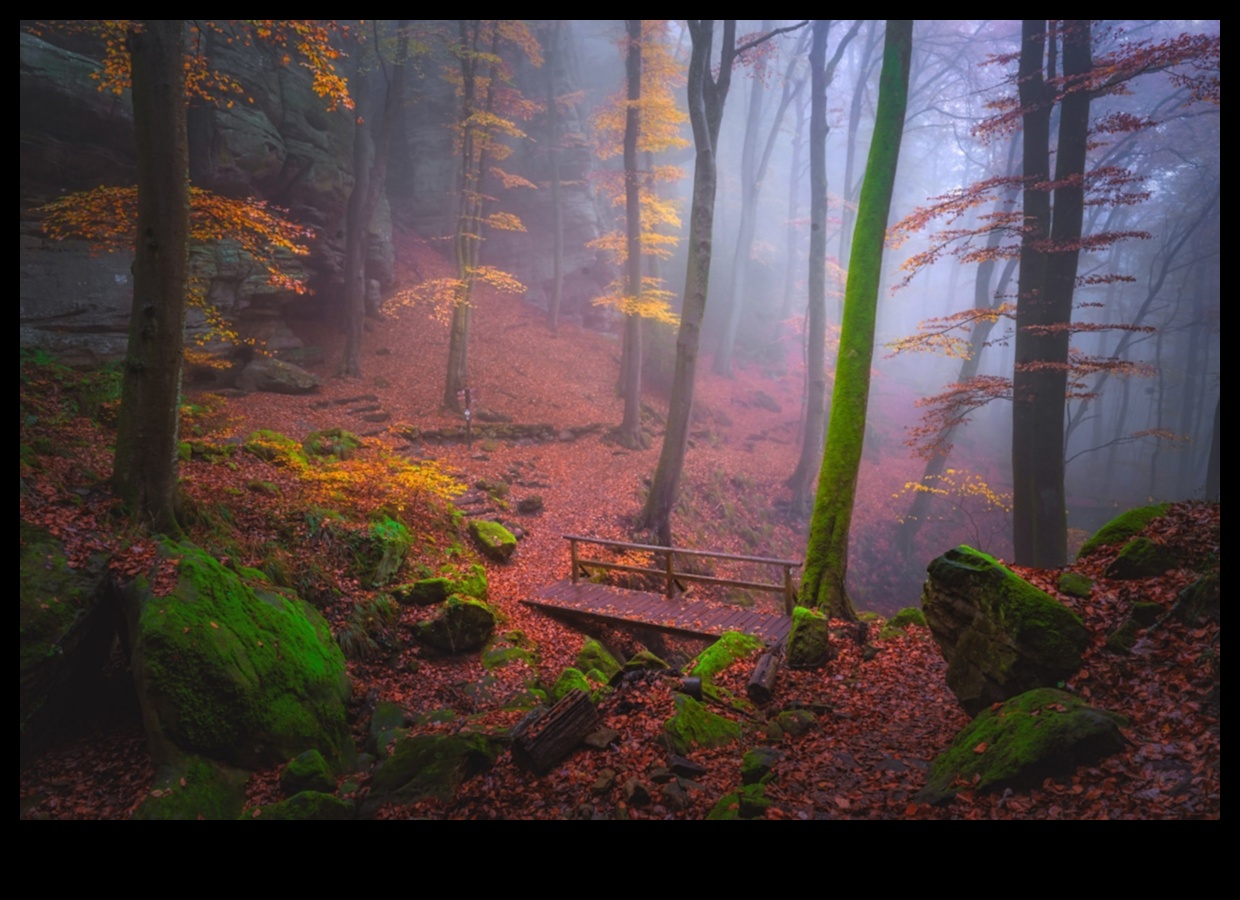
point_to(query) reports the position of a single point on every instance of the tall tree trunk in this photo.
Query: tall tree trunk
(145, 470)
(1047, 282)
(750, 185)
(806, 472)
(794, 209)
(826, 556)
(553, 155)
(631, 428)
(357, 229)
(467, 243)
(706, 96)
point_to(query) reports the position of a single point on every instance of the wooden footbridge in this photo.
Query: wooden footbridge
(672, 610)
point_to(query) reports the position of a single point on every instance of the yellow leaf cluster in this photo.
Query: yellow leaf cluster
(654, 302)
(443, 295)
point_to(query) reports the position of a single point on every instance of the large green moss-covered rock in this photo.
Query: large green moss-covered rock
(241, 673)
(809, 641)
(693, 725)
(1000, 635)
(462, 625)
(1123, 527)
(494, 540)
(1036, 734)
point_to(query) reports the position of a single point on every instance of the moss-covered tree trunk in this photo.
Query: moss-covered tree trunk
(145, 471)
(826, 556)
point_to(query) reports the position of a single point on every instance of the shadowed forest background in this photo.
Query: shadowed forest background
(453, 290)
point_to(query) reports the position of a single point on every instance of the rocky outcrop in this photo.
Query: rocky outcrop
(1000, 635)
(282, 145)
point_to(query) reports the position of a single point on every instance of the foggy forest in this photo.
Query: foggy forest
(620, 419)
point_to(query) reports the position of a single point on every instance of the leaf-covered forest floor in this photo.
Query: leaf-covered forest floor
(878, 721)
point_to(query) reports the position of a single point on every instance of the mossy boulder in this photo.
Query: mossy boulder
(750, 802)
(243, 673)
(1039, 733)
(1123, 527)
(1074, 584)
(461, 625)
(758, 765)
(644, 660)
(731, 646)
(594, 655)
(693, 725)
(809, 641)
(65, 633)
(308, 771)
(331, 442)
(308, 806)
(494, 540)
(899, 623)
(570, 679)
(381, 551)
(429, 591)
(194, 788)
(424, 591)
(1000, 635)
(1141, 558)
(432, 766)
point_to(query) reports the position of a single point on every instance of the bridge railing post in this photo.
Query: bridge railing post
(572, 551)
(789, 593)
(671, 574)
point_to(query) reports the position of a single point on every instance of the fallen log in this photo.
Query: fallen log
(539, 742)
(761, 687)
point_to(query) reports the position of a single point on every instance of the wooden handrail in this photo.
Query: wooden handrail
(668, 572)
(683, 551)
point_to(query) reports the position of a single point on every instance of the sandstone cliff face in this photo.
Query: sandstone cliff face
(286, 148)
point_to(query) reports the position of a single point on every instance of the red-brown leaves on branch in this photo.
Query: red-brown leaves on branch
(951, 408)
